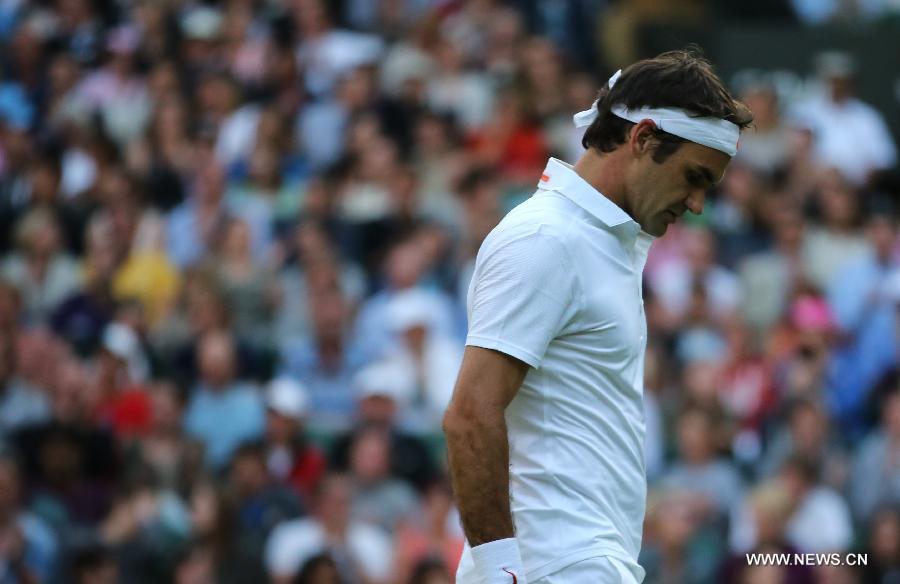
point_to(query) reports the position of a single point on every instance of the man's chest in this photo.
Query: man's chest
(611, 320)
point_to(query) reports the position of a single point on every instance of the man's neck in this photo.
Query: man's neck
(604, 172)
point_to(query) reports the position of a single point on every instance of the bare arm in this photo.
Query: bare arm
(477, 442)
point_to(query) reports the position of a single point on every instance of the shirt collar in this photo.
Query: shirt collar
(561, 177)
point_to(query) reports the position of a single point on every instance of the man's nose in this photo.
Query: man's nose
(695, 201)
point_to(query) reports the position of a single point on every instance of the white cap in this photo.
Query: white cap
(287, 397)
(122, 342)
(409, 309)
(203, 23)
(393, 377)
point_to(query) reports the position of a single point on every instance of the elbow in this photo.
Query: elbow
(458, 420)
(461, 418)
(451, 422)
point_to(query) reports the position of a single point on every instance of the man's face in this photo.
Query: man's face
(660, 192)
(217, 361)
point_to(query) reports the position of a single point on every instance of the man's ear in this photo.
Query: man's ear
(642, 137)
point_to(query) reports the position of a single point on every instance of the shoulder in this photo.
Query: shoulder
(545, 216)
(864, 110)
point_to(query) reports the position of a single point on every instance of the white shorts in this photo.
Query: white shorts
(601, 570)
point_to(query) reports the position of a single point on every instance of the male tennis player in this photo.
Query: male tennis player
(545, 431)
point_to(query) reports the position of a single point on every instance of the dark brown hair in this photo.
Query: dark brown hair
(679, 79)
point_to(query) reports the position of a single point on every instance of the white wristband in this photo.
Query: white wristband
(499, 562)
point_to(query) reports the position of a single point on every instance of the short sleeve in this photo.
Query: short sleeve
(522, 295)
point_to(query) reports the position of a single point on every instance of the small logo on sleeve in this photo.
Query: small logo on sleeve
(515, 580)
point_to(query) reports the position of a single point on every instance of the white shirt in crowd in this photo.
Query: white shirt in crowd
(851, 136)
(821, 523)
(557, 284)
(294, 542)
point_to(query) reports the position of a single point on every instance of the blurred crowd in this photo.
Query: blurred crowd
(236, 242)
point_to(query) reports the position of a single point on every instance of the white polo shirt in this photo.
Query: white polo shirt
(557, 284)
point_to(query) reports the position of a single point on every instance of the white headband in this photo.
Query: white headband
(719, 134)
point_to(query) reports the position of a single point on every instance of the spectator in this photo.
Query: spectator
(248, 286)
(290, 458)
(457, 90)
(359, 550)
(479, 193)
(31, 550)
(378, 498)
(164, 452)
(201, 309)
(383, 388)
(437, 159)
(327, 51)
(800, 347)
(326, 359)
(21, 403)
(512, 142)
(83, 316)
(265, 188)
(42, 272)
(223, 410)
(737, 214)
(94, 564)
(760, 528)
(713, 480)
(883, 546)
(405, 267)
(121, 369)
(765, 149)
(324, 127)
(308, 272)
(224, 112)
(769, 278)
(675, 282)
(815, 506)
(850, 134)
(431, 537)
(875, 476)
(809, 434)
(69, 467)
(433, 359)
(258, 504)
(144, 525)
(747, 387)
(193, 224)
(678, 547)
(147, 275)
(835, 240)
(117, 91)
(865, 309)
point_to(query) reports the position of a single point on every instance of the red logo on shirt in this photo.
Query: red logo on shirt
(515, 580)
